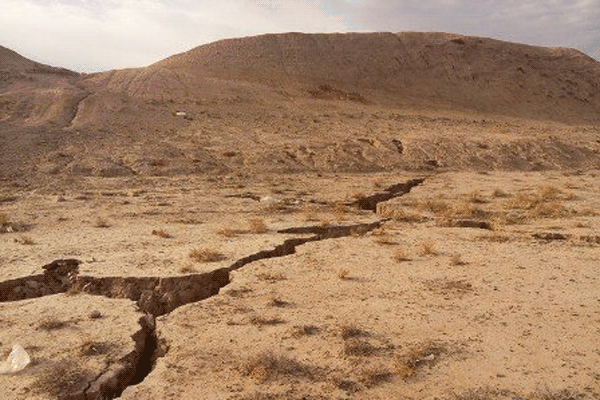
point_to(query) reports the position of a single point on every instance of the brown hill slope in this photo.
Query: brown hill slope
(416, 69)
(297, 102)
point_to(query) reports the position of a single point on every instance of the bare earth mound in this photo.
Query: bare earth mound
(297, 102)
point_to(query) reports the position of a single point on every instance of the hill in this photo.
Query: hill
(321, 102)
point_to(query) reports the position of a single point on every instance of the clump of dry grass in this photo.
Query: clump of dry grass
(499, 193)
(91, 348)
(373, 375)
(276, 301)
(267, 365)
(162, 233)
(427, 248)
(476, 197)
(546, 202)
(351, 331)
(386, 241)
(101, 222)
(303, 330)
(402, 215)
(271, 276)
(187, 269)
(343, 273)
(62, 379)
(52, 324)
(408, 362)
(231, 232)
(206, 255)
(358, 348)
(258, 225)
(456, 259)
(400, 255)
(25, 240)
(4, 220)
(258, 320)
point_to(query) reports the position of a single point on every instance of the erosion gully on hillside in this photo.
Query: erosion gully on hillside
(158, 296)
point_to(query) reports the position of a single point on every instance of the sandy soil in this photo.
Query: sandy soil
(419, 308)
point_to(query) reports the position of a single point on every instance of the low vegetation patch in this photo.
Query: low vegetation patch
(408, 362)
(162, 233)
(207, 255)
(267, 365)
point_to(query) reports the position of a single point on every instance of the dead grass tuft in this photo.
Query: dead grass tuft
(258, 225)
(343, 273)
(266, 366)
(231, 232)
(161, 233)
(206, 255)
(373, 375)
(102, 222)
(304, 330)
(257, 320)
(25, 240)
(52, 324)
(62, 379)
(401, 255)
(357, 347)
(271, 276)
(351, 331)
(427, 248)
(456, 259)
(408, 362)
(187, 269)
(499, 193)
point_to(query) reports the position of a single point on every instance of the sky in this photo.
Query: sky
(99, 35)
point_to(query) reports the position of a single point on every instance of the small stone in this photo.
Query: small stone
(95, 314)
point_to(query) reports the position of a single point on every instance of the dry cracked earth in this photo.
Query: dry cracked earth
(446, 285)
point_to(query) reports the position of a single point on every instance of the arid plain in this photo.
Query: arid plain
(213, 232)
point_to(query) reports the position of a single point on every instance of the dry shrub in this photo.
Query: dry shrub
(161, 233)
(386, 241)
(343, 273)
(270, 276)
(26, 240)
(187, 269)
(456, 259)
(62, 379)
(276, 301)
(231, 232)
(358, 348)
(206, 255)
(373, 375)
(258, 225)
(408, 362)
(427, 248)
(565, 394)
(402, 215)
(257, 320)
(91, 348)
(101, 222)
(351, 331)
(476, 197)
(303, 330)
(401, 255)
(546, 202)
(52, 324)
(267, 365)
(4, 220)
(499, 193)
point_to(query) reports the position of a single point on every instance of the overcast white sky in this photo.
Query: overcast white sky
(97, 35)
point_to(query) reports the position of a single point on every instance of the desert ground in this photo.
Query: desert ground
(474, 285)
(304, 216)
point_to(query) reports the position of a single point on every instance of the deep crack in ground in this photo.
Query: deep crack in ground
(159, 296)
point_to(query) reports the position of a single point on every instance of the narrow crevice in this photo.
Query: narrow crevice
(158, 296)
(391, 192)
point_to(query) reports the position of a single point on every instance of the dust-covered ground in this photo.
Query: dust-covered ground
(470, 286)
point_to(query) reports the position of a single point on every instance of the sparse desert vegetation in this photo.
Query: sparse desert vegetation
(205, 255)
